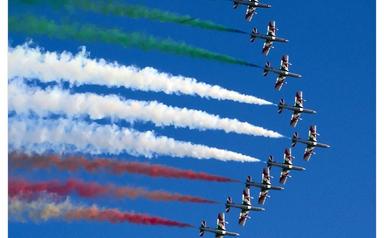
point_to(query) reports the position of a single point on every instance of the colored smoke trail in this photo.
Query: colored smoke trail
(26, 189)
(43, 209)
(90, 33)
(116, 216)
(19, 160)
(134, 11)
(27, 62)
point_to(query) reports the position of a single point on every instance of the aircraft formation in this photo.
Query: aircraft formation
(286, 167)
(297, 109)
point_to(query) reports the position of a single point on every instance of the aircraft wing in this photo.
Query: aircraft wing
(262, 196)
(250, 12)
(284, 63)
(279, 82)
(294, 119)
(299, 99)
(243, 217)
(246, 197)
(312, 133)
(271, 29)
(265, 176)
(220, 222)
(308, 152)
(288, 156)
(267, 47)
(284, 176)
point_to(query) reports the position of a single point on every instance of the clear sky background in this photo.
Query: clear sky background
(331, 43)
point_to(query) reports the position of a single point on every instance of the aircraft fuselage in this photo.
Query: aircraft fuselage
(264, 186)
(246, 207)
(253, 4)
(286, 166)
(283, 72)
(313, 143)
(298, 109)
(270, 38)
(219, 232)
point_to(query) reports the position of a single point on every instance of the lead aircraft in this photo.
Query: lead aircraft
(220, 230)
(252, 5)
(311, 142)
(245, 206)
(269, 38)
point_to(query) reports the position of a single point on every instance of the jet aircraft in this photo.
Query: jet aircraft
(286, 166)
(311, 142)
(282, 73)
(220, 230)
(252, 5)
(297, 109)
(245, 206)
(269, 38)
(264, 186)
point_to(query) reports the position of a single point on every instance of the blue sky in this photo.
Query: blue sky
(331, 43)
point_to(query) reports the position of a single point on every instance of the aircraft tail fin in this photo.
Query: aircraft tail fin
(202, 226)
(235, 4)
(266, 68)
(227, 204)
(280, 106)
(295, 136)
(253, 34)
(270, 159)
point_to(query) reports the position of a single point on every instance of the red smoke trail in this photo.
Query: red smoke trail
(116, 216)
(29, 190)
(18, 160)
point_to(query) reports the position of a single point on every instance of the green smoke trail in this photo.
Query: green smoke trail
(133, 11)
(90, 33)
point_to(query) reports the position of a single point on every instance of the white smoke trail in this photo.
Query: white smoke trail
(66, 135)
(23, 99)
(24, 61)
